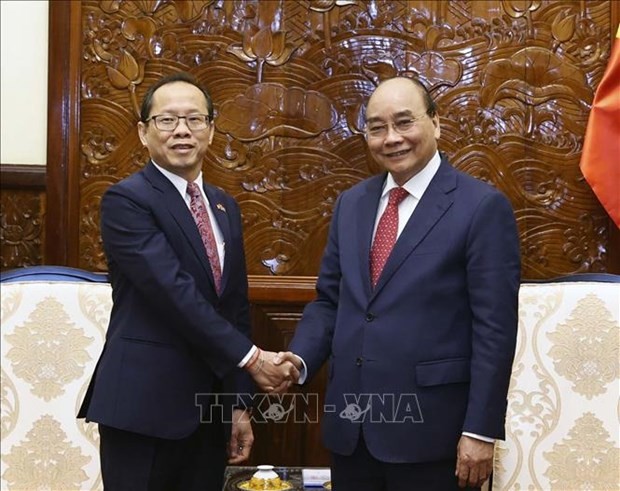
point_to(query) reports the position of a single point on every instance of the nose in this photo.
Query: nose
(392, 135)
(182, 128)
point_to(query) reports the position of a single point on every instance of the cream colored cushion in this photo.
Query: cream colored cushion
(563, 405)
(52, 335)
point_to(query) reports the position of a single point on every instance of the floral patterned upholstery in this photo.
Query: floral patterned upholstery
(52, 335)
(563, 408)
(562, 422)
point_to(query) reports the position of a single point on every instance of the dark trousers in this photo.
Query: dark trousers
(133, 462)
(362, 472)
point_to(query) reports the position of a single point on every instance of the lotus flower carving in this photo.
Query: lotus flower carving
(262, 46)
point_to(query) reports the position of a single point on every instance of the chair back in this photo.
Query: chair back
(53, 328)
(562, 420)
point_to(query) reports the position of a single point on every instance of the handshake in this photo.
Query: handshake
(274, 372)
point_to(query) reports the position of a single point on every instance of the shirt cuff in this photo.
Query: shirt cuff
(247, 357)
(479, 437)
(303, 373)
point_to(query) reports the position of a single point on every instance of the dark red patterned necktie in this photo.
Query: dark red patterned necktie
(385, 237)
(201, 217)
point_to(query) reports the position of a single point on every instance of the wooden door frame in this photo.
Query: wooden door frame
(63, 133)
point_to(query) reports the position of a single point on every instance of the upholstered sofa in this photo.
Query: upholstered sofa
(563, 408)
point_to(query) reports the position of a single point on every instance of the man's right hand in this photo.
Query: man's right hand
(289, 356)
(270, 377)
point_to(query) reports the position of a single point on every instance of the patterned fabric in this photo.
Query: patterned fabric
(561, 427)
(562, 420)
(201, 217)
(52, 335)
(385, 238)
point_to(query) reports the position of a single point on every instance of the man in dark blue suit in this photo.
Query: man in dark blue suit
(420, 334)
(179, 328)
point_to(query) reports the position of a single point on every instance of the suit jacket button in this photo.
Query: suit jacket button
(370, 317)
(359, 361)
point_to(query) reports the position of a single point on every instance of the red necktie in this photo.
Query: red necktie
(385, 237)
(201, 217)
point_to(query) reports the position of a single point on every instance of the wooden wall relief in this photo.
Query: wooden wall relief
(22, 211)
(20, 228)
(513, 79)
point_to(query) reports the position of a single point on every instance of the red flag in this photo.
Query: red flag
(600, 160)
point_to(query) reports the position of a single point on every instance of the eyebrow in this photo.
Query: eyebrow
(397, 115)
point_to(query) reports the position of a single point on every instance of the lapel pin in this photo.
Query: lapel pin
(220, 207)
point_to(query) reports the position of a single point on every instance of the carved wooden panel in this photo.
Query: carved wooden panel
(514, 81)
(21, 216)
(22, 211)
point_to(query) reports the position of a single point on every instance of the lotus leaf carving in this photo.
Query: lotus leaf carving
(271, 109)
(534, 76)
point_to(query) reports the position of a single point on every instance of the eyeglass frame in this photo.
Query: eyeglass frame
(178, 120)
(409, 123)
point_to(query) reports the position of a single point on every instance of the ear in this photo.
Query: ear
(211, 132)
(435, 121)
(142, 129)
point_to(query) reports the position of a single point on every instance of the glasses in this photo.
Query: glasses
(401, 126)
(169, 122)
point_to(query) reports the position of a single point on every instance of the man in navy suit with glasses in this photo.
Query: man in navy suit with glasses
(179, 329)
(416, 312)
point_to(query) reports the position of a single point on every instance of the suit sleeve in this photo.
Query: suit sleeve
(313, 336)
(493, 278)
(238, 381)
(142, 258)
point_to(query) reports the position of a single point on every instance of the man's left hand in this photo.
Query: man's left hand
(474, 461)
(241, 437)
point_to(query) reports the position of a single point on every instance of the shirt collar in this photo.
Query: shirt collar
(177, 181)
(418, 183)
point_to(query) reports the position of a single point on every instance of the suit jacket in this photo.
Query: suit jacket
(427, 354)
(170, 337)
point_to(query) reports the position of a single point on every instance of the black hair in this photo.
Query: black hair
(147, 102)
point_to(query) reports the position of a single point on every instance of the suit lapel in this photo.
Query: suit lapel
(434, 203)
(177, 207)
(367, 212)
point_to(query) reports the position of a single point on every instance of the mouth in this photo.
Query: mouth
(395, 155)
(182, 147)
